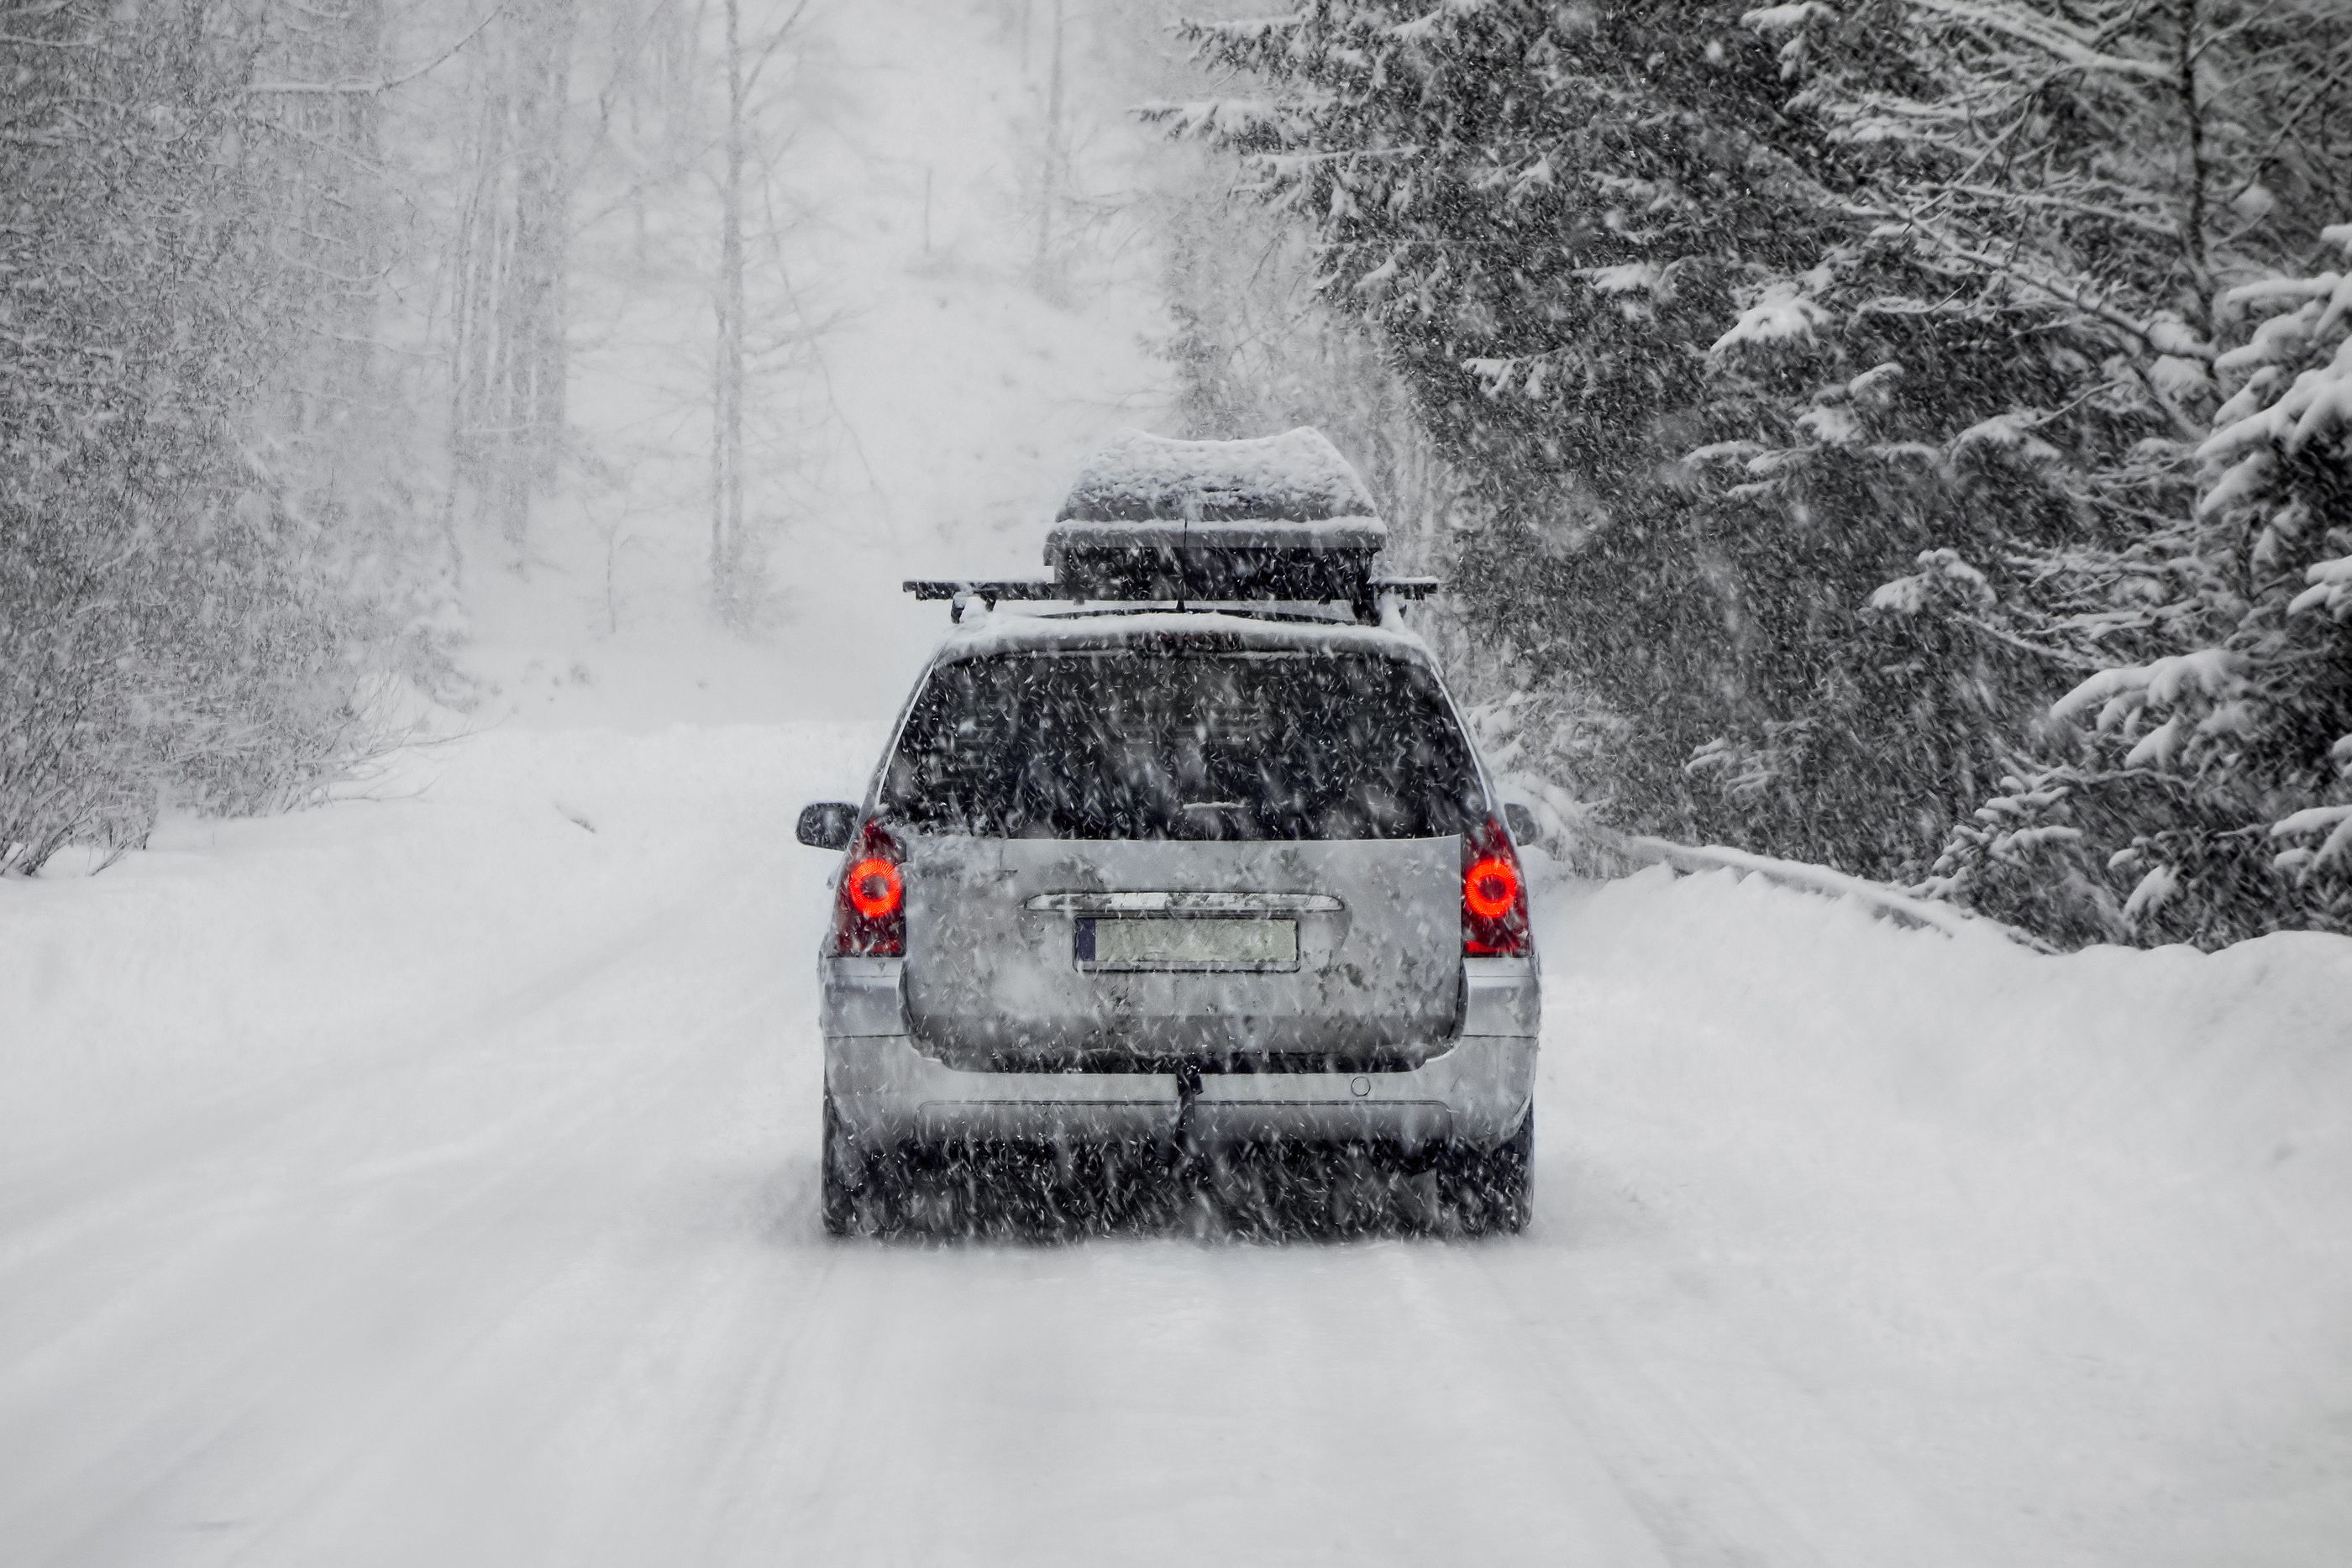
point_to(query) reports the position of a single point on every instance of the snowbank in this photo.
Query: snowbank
(2098, 1206)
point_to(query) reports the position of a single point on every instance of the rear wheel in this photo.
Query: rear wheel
(846, 1189)
(1489, 1191)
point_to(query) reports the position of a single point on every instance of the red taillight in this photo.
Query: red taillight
(875, 888)
(869, 914)
(1493, 894)
(1491, 888)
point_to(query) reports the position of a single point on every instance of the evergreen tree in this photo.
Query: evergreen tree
(1836, 387)
(2205, 794)
(1623, 282)
(2129, 188)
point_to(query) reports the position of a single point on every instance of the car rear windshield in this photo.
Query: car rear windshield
(1179, 744)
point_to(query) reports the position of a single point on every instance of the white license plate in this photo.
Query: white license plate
(1193, 944)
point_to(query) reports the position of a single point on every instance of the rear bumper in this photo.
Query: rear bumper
(888, 1090)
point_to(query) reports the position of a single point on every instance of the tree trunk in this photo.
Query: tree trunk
(509, 361)
(1049, 181)
(727, 545)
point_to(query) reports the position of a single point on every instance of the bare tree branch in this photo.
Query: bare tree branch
(388, 83)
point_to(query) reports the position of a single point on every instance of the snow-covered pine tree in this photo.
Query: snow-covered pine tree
(1631, 297)
(1834, 387)
(2206, 794)
(2104, 188)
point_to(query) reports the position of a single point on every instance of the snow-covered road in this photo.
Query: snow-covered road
(430, 1180)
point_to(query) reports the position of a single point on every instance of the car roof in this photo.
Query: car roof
(1110, 630)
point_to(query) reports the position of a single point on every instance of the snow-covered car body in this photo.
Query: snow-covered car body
(1187, 877)
(1053, 987)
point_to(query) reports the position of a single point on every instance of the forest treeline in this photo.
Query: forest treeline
(1908, 435)
(284, 316)
(174, 255)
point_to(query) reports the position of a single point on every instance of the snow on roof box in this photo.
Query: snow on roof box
(1296, 476)
(1275, 517)
(1275, 520)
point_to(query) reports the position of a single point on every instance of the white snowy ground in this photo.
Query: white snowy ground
(429, 1179)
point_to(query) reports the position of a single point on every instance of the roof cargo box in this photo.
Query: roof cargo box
(1279, 521)
(1274, 517)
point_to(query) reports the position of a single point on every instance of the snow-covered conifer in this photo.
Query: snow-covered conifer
(1831, 380)
(2204, 793)
(1583, 235)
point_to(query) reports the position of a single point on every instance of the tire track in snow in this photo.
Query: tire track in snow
(44, 1195)
(258, 1355)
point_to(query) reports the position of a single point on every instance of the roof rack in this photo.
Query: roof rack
(1274, 519)
(961, 591)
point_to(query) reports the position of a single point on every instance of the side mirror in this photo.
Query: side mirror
(827, 825)
(1525, 829)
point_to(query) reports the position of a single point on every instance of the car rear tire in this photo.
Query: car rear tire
(1492, 1191)
(846, 1187)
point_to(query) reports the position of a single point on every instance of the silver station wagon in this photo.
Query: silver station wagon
(1179, 887)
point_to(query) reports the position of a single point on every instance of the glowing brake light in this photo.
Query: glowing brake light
(869, 911)
(1493, 894)
(1490, 888)
(875, 888)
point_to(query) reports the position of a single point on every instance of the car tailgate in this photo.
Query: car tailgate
(1029, 951)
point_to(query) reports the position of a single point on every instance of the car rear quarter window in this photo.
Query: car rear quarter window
(1171, 743)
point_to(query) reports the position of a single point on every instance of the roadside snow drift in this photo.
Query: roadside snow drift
(2090, 1214)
